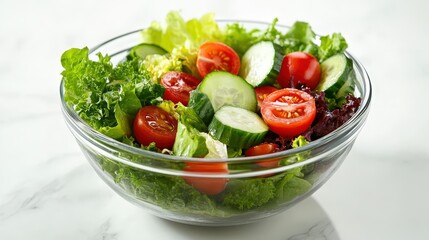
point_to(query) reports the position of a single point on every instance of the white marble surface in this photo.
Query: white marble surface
(49, 191)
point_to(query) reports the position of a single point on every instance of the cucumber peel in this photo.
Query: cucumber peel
(238, 128)
(227, 89)
(261, 63)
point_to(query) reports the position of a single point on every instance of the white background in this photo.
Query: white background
(49, 191)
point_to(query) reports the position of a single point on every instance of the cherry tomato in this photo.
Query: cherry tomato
(262, 149)
(217, 56)
(299, 67)
(153, 124)
(288, 112)
(178, 86)
(209, 186)
(262, 93)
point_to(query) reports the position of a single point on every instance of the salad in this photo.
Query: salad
(197, 89)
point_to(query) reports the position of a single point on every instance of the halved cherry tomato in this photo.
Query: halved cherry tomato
(262, 93)
(217, 56)
(153, 124)
(288, 112)
(178, 86)
(209, 186)
(264, 148)
(299, 67)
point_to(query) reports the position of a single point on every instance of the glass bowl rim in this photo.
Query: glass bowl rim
(346, 127)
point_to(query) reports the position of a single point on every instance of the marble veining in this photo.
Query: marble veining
(104, 232)
(21, 200)
(321, 231)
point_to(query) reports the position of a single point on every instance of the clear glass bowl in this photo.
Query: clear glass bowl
(155, 182)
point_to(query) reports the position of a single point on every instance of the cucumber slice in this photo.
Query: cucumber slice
(261, 63)
(348, 87)
(200, 102)
(144, 49)
(227, 89)
(237, 127)
(335, 72)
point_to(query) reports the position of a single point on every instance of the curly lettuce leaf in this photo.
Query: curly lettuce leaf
(296, 143)
(80, 85)
(181, 39)
(253, 193)
(292, 184)
(136, 74)
(168, 192)
(299, 37)
(188, 60)
(157, 65)
(331, 45)
(249, 193)
(176, 32)
(301, 32)
(299, 142)
(107, 98)
(184, 114)
(86, 87)
(191, 139)
(123, 127)
(273, 34)
(240, 38)
(180, 59)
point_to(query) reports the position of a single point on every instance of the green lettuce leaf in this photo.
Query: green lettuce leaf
(301, 32)
(190, 118)
(181, 39)
(107, 98)
(180, 59)
(294, 187)
(184, 114)
(252, 193)
(293, 184)
(240, 38)
(122, 128)
(176, 32)
(168, 192)
(191, 138)
(85, 85)
(157, 65)
(189, 142)
(299, 142)
(216, 148)
(300, 37)
(188, 60)
(192, 143)
(331, 45)
(249, 193)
